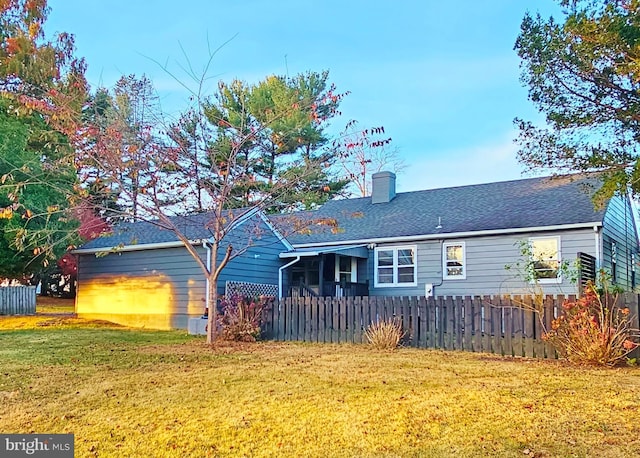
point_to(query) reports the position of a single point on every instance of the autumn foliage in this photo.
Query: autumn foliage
(593, 330)
(242, 317)
(42, 95)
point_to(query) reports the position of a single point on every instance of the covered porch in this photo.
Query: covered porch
(325, 271)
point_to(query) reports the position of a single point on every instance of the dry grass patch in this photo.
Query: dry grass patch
(45, 304)
(136, 393)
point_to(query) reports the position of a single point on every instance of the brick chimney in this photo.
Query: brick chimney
(383, 187)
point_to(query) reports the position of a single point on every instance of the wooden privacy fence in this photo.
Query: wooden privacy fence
(490, 324)
(17, 300)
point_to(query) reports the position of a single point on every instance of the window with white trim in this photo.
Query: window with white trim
(545, 255)
(395, 266)
(454, 262)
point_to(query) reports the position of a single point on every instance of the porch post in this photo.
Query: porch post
(321, 275)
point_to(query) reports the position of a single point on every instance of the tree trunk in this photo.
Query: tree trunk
(212, 317)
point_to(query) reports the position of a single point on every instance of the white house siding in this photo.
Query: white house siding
(486, 258)
(619, 227)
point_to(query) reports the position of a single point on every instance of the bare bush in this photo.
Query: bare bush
(385, 334)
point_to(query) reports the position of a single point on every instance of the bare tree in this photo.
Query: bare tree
(195, 173)
(363, 152)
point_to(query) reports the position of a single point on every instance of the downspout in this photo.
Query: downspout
(208, 248)
(280, 270)
(598, 251)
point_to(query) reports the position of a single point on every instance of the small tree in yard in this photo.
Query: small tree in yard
(245, 149)
(209, 167)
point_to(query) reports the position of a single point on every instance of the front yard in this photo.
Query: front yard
(148, 393)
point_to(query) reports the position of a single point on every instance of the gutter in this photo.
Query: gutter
(280, 270)
(598, 250)
(140, 247)
(175, 243)
(452, 235)
(206, 246)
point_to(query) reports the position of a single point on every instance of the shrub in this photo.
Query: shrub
(385, 335)
(593, 330)
(241, 317)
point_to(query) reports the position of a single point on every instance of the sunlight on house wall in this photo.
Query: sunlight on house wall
(196, 303)
(147, 302)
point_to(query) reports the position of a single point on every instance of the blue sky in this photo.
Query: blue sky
(442, 80)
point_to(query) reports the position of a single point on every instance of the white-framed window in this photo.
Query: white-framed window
(545, 255)
(395, 266)
(454, 261)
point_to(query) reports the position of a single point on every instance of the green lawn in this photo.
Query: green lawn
(148, 393)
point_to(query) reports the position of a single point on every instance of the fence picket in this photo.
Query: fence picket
(630, 301)
(342, 316)
(439, 328)
(458, 324)
(507, 317)
(278, 326)
(486, 324)
(297, 333)
(417, 314)
(467, 331)
(431, 324)
(529, 327)
(335, 321)
(401, 309)
(496, 329)
(366, 316)
(357, 319)
(549, 315)
(518, 326)
(476, 340)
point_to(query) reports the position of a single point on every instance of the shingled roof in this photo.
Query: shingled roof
(500, 206)
(138, 234)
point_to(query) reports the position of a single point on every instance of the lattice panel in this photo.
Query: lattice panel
(250, 289)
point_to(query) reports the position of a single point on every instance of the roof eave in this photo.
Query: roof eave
(453, 235)
(137, 247)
